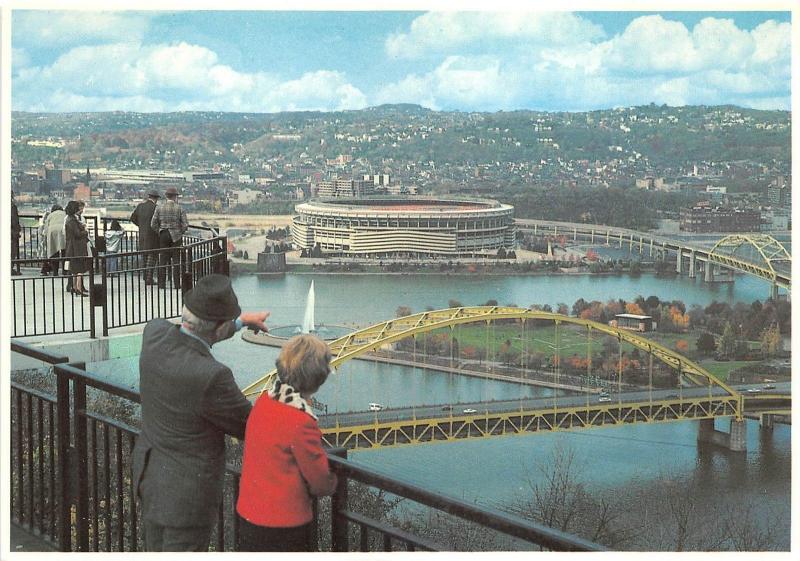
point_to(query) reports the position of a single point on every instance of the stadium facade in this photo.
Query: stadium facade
(404, 227)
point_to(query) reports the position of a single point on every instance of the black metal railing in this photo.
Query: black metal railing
(45, 305)
(123, 287)
(71, 479)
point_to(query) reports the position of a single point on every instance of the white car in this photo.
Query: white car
(604, 398)
(375, 407)
(470, 410)
(754, 390)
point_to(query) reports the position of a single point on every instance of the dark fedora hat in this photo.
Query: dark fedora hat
(212, 298)
(171, 191)
(153, 193)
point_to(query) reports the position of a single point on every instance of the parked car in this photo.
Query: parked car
(470, 410)
(375, 407)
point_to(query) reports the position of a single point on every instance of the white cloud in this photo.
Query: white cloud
(19, 58)
(573, 66)
(177, 76)
(452, 32)
(321, 90)
(46, 28)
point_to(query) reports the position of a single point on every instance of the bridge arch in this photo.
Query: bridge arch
(770, 250)
(375, 336)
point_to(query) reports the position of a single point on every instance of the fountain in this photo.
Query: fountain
(308, 317)
(309, 325)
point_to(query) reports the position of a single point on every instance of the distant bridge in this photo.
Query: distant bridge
(708, 398)
(759, 255)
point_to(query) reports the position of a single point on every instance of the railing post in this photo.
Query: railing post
(104, 287)
(339, 541)
(81, 496)
(64, 471)
(186, 270)
(92, 291)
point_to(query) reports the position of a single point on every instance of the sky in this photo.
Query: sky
(270, 61)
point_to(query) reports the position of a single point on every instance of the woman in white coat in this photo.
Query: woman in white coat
(56, 241)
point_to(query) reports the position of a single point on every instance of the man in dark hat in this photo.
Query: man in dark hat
(170, 221)
(148, 238)
(189, 402)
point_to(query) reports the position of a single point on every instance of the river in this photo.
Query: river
(495, 471)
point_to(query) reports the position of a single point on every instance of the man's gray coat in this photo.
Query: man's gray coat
(189, 402)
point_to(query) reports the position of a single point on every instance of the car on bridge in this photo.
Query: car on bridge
(604, 397)
(375, 407)
(769, 387)
(470, 410)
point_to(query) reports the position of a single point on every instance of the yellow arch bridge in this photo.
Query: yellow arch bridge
(698, 394)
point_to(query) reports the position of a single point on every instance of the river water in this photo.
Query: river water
(496, 471)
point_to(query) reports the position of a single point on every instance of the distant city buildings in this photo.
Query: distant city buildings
(703, 217)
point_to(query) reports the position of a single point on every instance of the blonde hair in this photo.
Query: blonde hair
(304, 363)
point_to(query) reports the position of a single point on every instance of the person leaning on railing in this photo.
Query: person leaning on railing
(77, 248)
(284, 464)
(189, 403)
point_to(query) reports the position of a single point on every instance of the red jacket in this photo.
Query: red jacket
(283, 466)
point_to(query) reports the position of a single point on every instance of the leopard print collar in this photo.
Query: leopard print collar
(286, 394)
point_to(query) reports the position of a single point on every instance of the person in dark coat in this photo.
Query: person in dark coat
(148, 238)
(189, 403)
(16, 232)
(77, 248)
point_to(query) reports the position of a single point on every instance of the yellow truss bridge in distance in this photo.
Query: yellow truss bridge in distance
(698, 394)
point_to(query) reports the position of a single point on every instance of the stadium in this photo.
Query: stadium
(404, 228)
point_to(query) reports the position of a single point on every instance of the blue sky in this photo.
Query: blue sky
(469, 61)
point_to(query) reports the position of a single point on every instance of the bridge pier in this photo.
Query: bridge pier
(708, 272)
(679, 262)
(773, 291)
(735, 440)
(767, 421)
(692, 263)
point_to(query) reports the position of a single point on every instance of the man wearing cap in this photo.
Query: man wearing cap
(170, 221)
(148, 238)
(189, 403)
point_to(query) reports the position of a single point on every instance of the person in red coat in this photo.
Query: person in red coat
(284, 464)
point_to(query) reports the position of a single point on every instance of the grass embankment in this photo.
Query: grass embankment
(572, 341)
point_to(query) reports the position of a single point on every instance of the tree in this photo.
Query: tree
(562, 309)
(452, 303)
(706, 343)
(770, 341)
(727, 343)
(491, 302)
(403, 311)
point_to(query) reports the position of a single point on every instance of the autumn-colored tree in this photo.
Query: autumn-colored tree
(469, 353)
(682, 345)
(770, 340)
(633, 308)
